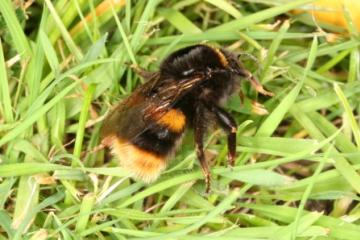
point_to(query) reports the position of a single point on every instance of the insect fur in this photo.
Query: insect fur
(144, 130)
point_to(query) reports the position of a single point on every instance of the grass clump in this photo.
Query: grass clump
(63, 64)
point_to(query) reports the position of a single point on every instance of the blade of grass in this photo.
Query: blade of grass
(297, 56)
(30, 168)
(341, 164)
(138, 36)
(350, 21)
(37, 109)
(20, 41)
(5, 191)
(79, 69)
(128, 14)
(64, 32)
(269, 59)
(353, 123)
(342, 142)
(339, 228)
(277, 144)
(83, 20)
(259, 177)
(333, 61)
(99, 227)
(32, 212)
(223, 206)
(30, 120)
(326, 98)
(179, 21)
(34, 73)
(85, 210)
(4, 89)
(161, 186)
(5, 223)
(227, 7)
(354, 65)
(82, 121)
(273, 120)
(67, 11)
(49, 51)
(306, 195)
(123, 36)
(249, 20)
(226, 36)
(30, 150)
(304, 222)
(80, 132)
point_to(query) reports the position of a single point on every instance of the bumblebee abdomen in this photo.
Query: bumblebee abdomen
(141, 164)
(145, 155)
(174, 120)
(162, 134)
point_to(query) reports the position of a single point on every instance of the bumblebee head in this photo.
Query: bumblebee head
(234, 64)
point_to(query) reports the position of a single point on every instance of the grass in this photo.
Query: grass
(63, 64)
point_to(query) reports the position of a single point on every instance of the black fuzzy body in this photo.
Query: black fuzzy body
(215, 90)
(188, 91)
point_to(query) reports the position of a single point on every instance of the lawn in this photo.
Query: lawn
(64, 64)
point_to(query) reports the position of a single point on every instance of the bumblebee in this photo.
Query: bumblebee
(192, 84)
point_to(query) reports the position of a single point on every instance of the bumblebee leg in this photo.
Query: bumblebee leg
(258, 87)
(241, 71)
(228, 124)
(199, 132)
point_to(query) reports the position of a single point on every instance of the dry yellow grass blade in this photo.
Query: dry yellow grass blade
(104, 7)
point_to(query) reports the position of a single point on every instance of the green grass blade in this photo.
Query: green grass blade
(346, 170)
(354, 66)
(227, 7)
(333, 61)
(259, 177)
(49, 51)
(64, 32)
(29, 168)
(138, 34)
(274, 119)
(179, 21)
(4, 89)
(32, 212)
(272, 50)
(306, 195)
(19, 38)
(223, 206)
(353, 123)
(29, 121)
(82, 121)
(258, 16)
(5, 223)
(124, 37)
(34, 73)
(85, 209)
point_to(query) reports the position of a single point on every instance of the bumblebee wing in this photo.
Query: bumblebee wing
(146, 105)
(126, 119)
(167, 92)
